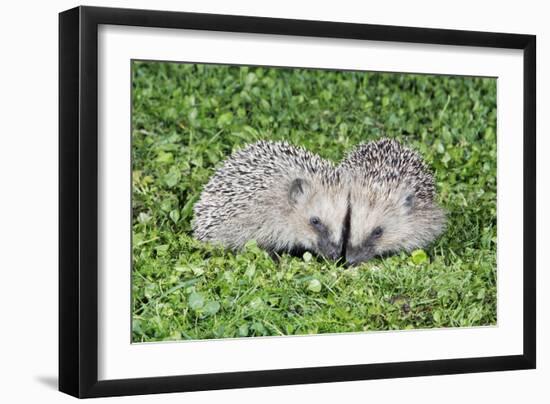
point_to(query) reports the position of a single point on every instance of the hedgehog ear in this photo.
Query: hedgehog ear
(409, 201)
(297, 190)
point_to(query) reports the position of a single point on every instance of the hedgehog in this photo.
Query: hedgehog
(284, 197)
(392, 201)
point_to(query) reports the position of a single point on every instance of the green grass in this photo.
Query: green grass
(188, 118)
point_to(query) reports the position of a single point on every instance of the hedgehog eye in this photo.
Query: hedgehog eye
(315, 221)
(377, 232)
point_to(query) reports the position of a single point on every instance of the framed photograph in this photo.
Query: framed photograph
(251, 201)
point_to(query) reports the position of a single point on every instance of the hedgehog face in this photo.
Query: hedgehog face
(382, 222)
(318, 215)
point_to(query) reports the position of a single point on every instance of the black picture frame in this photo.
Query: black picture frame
(78, 201)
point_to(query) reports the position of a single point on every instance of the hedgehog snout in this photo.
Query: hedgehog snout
(356, 256)
(330, 249)
(334, 254)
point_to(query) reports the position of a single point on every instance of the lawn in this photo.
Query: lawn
(187, 118)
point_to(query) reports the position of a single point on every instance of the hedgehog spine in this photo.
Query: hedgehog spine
(392, 200)
(282, 196)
